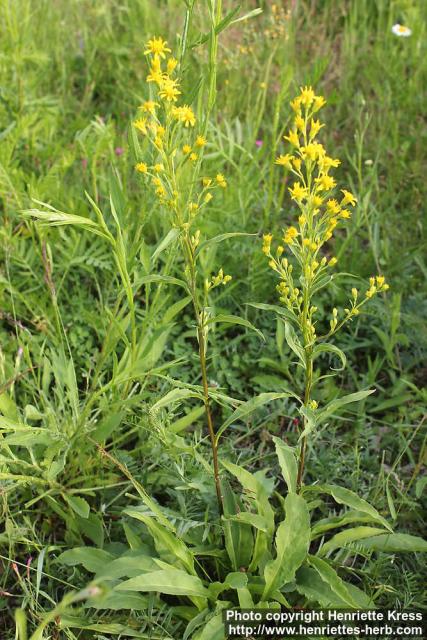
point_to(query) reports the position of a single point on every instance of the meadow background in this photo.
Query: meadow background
(71, 78)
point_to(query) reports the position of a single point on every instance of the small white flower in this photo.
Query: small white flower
(400, 30)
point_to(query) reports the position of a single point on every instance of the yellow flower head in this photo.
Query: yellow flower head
(349, 198)
(221, 181)
(332, 207)
(141, 125)
(160, 131)
(158, 167)
(297, 163)
(310, 151)
(345, 213)
(193, 157)
(208, 197)
(315, 127)
(266, 243)
(169, 90)
(307, 96)
(141, 167)
(185, 115)
(292, 137)
(186, 149)
(155, 74)
(207, 182)
(297, 192)
(149, 106)
(319, 102)
(285, 160)
(157, 47)
(300, 122)
(327, 163)
(200, 141)
(171, 65)
(325, 183)
(296, 104)
(290, 234)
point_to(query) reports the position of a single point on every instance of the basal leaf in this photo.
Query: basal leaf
(332, 579)
(173, 582)
(292, 544)
(395, 543)
(167, 543)
(344, 538)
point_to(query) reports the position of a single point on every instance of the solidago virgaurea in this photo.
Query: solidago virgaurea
(172, 167)
(301, 259)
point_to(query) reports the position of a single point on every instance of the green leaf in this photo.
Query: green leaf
(214, 630)
(92, 559)
(188, 420)
(166, 543)
(340, 402)
(253, 519)
(93, 528)
(159, 278)
(170, 237)
(230, 319)
(352, 500)
(311, 586)
(336, 522)
(249, 407)
(326, 347)
(288, 463)
(220, 238)
(396, 543)
(170, 581)
(285, 313)
(256, 492)
(79, 505)
(176, 395)
(292, 544)
(332, 579)
(294, 343)
(249, 15)
(238, 535)
(348, 536)
(116, 601)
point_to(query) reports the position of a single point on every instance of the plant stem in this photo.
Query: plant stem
(307, 392)
(202, 357)
(201, 337)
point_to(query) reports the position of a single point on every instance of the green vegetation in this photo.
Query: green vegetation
(171, 446)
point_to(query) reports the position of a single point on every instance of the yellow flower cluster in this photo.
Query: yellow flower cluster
(321, 211)
(217, 280)
(177, 158)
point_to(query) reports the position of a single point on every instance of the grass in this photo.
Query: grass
(69, 89)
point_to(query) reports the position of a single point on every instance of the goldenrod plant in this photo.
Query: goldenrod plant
(303, 262)
(161, 457)
(173, 168)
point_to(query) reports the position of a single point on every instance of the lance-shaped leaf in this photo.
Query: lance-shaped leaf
(176, 395)
(352, 500)
(249, 407)
(230, 319)
(345, 538)
(168, 545)
(332, 579)
(292, 544)
(288, 463)
(170, 581)
(326, 347)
